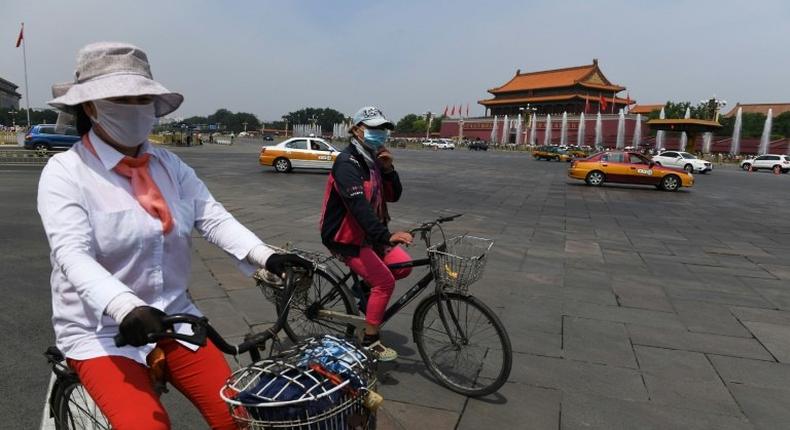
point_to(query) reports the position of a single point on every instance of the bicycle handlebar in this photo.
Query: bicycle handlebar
(201, 329)
(426, 226)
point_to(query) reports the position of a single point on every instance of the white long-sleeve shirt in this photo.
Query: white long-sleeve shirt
(103, 243)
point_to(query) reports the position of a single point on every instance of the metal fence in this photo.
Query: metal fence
(10, 137)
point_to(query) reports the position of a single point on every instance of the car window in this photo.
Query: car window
(670, 154)
(762, 157)
(637, 159)
(297, 144)
(317, 145)
(71, 131)
(614, 157)
(47, 130)
(687, 156)
(772, 157)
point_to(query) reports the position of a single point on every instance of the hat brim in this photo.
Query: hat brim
(119, 85)
(378, 122)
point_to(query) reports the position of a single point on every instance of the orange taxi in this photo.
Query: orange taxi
(299, 152)
(628, 168)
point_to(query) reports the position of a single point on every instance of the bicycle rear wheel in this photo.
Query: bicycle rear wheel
(73, 408)
(463, 343)
(323, 294)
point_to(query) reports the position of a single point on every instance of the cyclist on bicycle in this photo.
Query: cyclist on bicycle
(118, 213)
(354, 219)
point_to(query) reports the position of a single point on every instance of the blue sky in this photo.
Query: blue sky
(270, 58)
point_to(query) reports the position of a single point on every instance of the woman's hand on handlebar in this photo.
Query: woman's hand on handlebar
(401, 237)
(278, 263)
(141, 322)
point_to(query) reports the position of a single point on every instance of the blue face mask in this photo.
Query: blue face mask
(376, 138)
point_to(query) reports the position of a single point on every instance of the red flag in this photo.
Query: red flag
(614, 97)
(452, 112)
(602, 103)
(445, 111)
(459, 110)
(628, 99)
(467, 110)
(21, 35)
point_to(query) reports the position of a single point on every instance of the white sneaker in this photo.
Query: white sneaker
(381, 352)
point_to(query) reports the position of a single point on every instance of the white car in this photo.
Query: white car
(777, 163)
(683, 160)
(430, 143)
(445, 144)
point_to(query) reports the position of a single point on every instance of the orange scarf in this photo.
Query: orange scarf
(143, 186)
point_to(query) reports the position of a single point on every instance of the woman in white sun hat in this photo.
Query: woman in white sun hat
(118, 213)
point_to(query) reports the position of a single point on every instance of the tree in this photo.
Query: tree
(19, 116)
(325, 117)
(406, 124)
(782, 125)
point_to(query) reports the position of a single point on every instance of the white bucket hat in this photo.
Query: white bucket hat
(113, 69)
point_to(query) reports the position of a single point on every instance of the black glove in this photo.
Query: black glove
(139, 323)
(277, 263)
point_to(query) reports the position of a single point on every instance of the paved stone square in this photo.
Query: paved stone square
(627, 307)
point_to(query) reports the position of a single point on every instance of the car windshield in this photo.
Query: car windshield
(687, 155)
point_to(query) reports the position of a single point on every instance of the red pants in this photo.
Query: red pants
(122, 389)
(373, 269)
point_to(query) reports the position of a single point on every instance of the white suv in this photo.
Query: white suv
(777, 163)
(683, 160)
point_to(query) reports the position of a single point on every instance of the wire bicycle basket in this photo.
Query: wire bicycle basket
(322, 383)
(459, 262)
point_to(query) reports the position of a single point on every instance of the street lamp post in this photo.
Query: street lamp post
(245, 126)
(715, 105)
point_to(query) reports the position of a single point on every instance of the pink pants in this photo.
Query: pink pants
(373, 269)
(123, 391)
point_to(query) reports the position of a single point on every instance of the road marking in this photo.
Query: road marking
(47, 423)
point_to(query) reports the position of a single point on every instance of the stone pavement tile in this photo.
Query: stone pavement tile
(669, 269)
(775, 338)
(524, 338)
(685, 380)
(590, 412)
(685, 292)
(208, 250)
(702, 317)
(223, 316)
(641, 292)
(585, 249)
(570, 376)
(684, 259)
(597, 294)
(624, 315)
(699, 342)
(233, 280)
(542, 314)
(778, 295)
(726, 283)
(743, 371)
(409, 381)
(738, 261)
(766, 408)
(253, 306)
(576, 278)
(595, 341)
(761, 315)
(514, 406)
(203, 286)
(734, 271)
(623, 258)
(394, 415)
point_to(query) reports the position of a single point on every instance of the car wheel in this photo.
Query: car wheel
(670, 183)
(282, 165)
(595, 178)
(688, 168)
(41, 149)
(746, 166)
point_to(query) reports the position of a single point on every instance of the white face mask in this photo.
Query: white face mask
(127, 125)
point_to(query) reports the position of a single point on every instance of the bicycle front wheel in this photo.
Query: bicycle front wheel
(74, 409)
(463, 343)
(304, 318)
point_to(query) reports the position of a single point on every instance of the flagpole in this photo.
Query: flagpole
(24, 59)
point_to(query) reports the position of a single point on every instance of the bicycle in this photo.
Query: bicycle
(334, 391)
(441, 320)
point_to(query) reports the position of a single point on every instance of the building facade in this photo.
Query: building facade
(573, 90)
(9, 98)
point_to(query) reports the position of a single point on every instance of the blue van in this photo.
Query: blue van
(43, 137)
